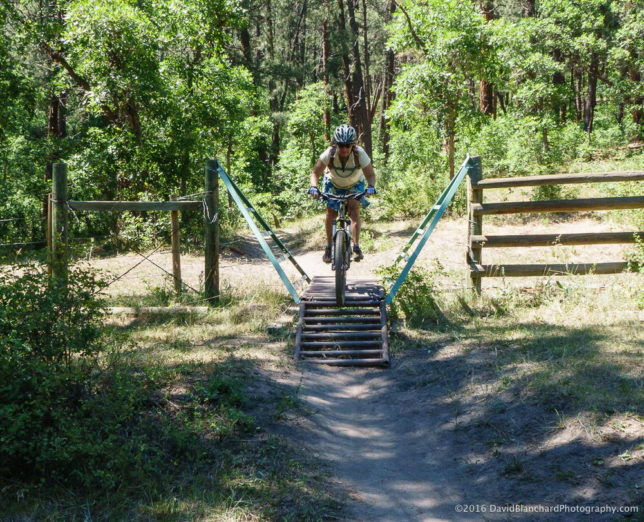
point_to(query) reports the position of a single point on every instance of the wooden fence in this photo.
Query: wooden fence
(477, 208)
(58, 230)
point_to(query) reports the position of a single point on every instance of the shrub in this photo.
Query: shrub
(415, 300)
(67, 417)
(635, 255)
(50, 337)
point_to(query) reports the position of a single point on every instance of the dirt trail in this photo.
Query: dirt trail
(380, 447)
(408, 444)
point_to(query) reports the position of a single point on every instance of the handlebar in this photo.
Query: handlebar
(336, 197)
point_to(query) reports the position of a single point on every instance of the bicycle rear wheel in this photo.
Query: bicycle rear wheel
(340, 268)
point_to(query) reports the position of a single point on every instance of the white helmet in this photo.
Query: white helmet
(345, 134)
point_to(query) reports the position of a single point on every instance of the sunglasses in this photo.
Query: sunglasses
(345, 145)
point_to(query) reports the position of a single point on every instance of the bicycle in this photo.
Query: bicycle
(341, 244)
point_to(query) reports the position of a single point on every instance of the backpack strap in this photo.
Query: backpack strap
(334, 149)
(356, 157)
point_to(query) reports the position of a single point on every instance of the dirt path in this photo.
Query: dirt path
(409, 443)
(391, 462)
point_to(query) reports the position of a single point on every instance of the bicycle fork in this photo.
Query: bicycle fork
(345, 228)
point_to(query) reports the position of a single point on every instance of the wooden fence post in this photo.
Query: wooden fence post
(176, 254)
(475, 195)
(48, 237)
(59, 232)
(211, 217)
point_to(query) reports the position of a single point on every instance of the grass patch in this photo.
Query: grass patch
(572, 351)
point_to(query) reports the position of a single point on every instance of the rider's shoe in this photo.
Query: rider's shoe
(327, 254)
(357, 253)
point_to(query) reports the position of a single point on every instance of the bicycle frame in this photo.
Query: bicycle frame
(342, 225)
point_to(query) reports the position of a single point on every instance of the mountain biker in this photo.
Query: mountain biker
(345, 166)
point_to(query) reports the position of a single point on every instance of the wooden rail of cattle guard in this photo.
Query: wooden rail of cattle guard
(477, 240)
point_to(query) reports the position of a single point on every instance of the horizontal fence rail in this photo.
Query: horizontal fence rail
(560, 179)
(590, 238)
(58, 234)
(558, 205)
(478, 240)
(550, 269)
(140, 206)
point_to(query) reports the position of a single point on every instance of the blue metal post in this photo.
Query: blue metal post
(246, 212)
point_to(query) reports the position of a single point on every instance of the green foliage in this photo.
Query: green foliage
(538, 66)
(415, 300)
(636, 256)
(153, 89)
(51, 322)
(51, 336)
(432, 91)
(304, 143)
(149, 95)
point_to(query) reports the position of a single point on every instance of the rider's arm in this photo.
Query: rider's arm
(370, 174)
(316, 172)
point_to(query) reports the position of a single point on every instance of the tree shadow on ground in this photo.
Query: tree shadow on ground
(486, 422)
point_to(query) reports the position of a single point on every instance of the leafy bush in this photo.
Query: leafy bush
(50, 336)
(66, 417)
(635, 255)
(415, 300)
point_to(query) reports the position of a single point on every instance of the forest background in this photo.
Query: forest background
(135, 95)
(172, 418)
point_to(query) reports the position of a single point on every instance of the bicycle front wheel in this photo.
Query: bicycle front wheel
(340, 266)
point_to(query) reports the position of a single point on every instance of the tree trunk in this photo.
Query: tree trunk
(57, 117)
(387, 94)
(271, 31)
(637, 101)
(346, 62)
(558, 79)
(591, 101)
(361, 120)
(367, 77)
(325, 71)
(273, 98)
(577, 87)
(486, 97)
(501, 99)
(244, 38)
(303, 40)
(529, 8)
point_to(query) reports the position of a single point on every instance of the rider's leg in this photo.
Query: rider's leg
(353, 209)
(331, 216)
